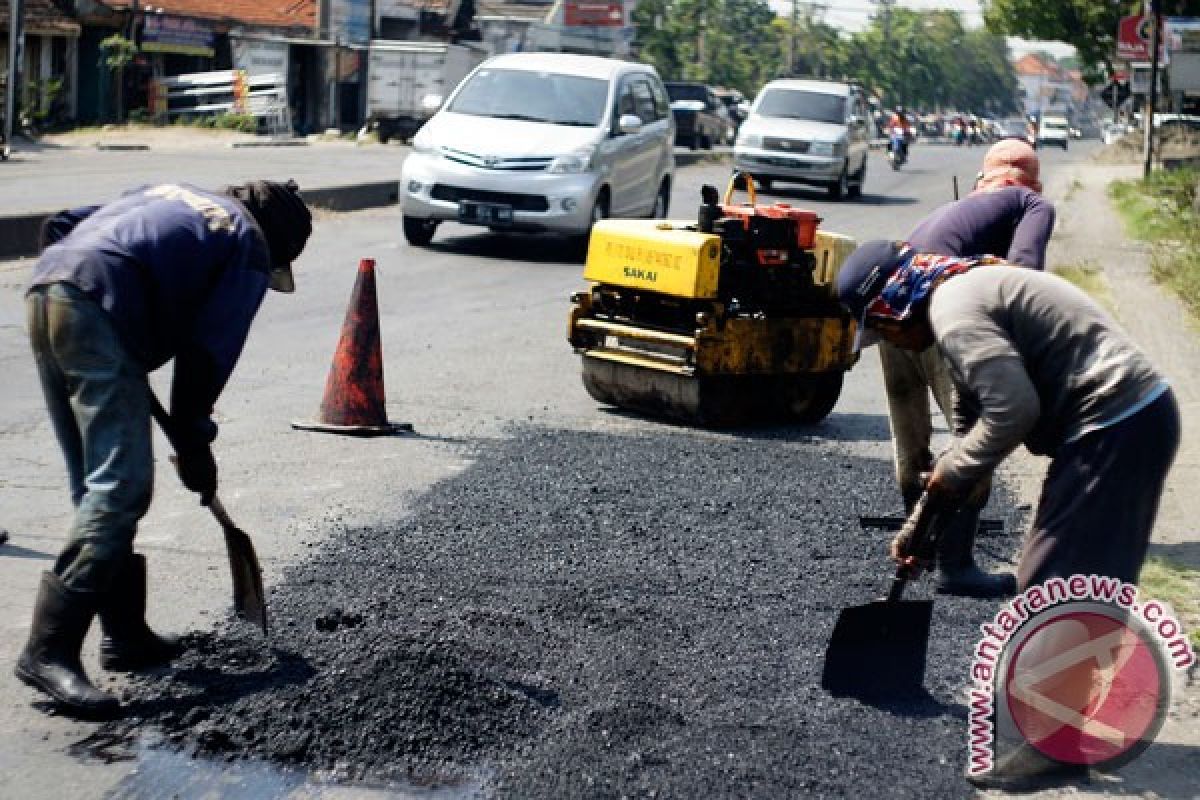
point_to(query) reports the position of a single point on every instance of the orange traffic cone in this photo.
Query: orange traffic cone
(354, 399)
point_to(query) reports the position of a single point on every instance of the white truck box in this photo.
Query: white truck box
(409, 80)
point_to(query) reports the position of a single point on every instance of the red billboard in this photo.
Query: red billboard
(598, 14)
(1134, 35)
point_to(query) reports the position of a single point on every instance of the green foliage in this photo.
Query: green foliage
(117, 52)
(1089, 25)
(921, 59)
(245, 123)
(1177, 584)
(1160, 210)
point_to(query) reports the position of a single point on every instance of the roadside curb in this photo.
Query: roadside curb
(273, 143)
(19, 232)
(116, 146)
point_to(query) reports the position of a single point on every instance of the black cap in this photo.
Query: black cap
(863, 276)
(285, 221)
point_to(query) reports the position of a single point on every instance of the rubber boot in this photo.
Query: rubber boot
(50, 660)
(128, 644)
(957, 571)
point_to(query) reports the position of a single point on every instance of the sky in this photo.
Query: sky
(853, 15)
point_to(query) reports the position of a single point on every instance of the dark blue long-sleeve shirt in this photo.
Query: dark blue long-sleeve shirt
(181, 272)
(1013, 223)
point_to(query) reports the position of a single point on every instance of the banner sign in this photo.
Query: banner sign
(259, 57)
(1134, 35)
(1182, 34)
(594, 13)
(162, 33)
(351, 21)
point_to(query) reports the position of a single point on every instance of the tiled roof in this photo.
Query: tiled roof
(42, 17)
(270, 13)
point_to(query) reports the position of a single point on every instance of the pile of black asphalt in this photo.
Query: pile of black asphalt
(580, 614)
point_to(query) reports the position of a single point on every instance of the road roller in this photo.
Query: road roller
(727, 321)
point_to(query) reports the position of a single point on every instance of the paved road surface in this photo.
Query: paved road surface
(473, 342)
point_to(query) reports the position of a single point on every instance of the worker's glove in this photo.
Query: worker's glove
(197, 469)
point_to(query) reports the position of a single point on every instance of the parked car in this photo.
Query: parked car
(697, 111)
(806, 131)
(735, 103)
(542, 142)
(1114, 131)
(1054, 131)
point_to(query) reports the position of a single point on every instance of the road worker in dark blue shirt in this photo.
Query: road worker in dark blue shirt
(167, 272)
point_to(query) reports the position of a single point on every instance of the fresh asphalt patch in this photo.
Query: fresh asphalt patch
(582, 614)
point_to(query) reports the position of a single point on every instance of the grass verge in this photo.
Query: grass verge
(1160, 210)
(1089, 276)
(1166, 580)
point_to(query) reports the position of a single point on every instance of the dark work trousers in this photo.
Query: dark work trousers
(98, 399)
(1100, 498)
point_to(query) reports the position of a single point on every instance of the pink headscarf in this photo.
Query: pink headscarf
(1009, 162)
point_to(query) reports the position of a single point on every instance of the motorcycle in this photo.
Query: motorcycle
(897, 152)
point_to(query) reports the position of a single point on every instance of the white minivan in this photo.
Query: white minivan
(542, 142)
(806, 131)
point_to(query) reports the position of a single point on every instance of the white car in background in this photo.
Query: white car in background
(808, 132)
(542, 142)
(1055, 131)
(1114, 131)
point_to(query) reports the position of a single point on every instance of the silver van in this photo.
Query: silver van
(542, 142)
(806, 131)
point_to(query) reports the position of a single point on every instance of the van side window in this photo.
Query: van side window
(662, 103)
(626, 104)
(644, 100)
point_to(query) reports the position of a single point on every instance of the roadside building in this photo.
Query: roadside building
(49, 68)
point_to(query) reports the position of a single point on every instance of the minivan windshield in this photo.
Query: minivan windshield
(534, 96)
(801, 104)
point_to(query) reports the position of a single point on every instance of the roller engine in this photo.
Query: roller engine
(727, 321)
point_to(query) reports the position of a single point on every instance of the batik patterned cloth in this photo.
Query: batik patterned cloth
(915, 278)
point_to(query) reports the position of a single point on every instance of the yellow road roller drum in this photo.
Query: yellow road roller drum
(726, 321)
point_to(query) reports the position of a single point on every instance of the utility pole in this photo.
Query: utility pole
(816, 15)
(15, 38)
(885, 13)
(791, 65)
(1152, 97)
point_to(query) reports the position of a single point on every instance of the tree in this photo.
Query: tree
(1090, 26)
(117, 53)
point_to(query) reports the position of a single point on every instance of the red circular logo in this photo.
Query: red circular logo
(1087, 686)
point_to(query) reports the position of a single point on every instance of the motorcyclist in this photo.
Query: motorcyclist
(900, 131)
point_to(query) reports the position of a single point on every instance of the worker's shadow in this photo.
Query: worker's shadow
(10, 550)
(919, 704)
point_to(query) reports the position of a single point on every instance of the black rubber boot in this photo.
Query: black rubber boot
(957, 572)
(50, 660)
(128, 644)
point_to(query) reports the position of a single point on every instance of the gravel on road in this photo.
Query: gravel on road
(580, 614)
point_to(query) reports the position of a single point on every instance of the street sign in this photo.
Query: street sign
(594, 13)
(1133, 37)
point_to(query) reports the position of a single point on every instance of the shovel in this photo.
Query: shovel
(249, 600)
(877, 651)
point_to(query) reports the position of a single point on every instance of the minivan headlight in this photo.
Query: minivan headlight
(422, 144)
(749, 140)
(572, 163)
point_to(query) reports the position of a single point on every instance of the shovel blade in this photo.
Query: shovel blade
(249, 600)
(878, 650)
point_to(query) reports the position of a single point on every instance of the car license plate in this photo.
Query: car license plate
(474, 213)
